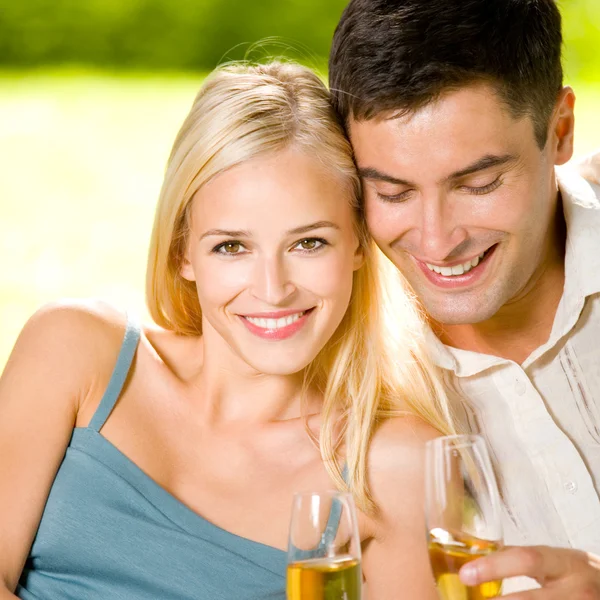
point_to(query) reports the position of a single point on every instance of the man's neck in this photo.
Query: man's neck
(521, 326)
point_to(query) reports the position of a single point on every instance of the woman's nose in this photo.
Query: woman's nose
(271, 282)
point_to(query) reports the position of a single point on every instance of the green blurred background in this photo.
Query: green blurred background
(92, 93)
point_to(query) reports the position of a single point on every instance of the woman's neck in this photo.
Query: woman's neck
(228, 389)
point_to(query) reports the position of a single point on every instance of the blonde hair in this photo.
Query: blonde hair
(375, 365)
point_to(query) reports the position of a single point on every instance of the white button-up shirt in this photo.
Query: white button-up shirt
(541, 419)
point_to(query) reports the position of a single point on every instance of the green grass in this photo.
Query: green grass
(83, 157)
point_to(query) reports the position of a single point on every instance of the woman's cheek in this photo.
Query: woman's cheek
(223, 280)
(328, 276)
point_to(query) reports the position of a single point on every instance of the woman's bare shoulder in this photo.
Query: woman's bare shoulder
(400, 441)
(76, 327)
(68, 344)
(396, 467)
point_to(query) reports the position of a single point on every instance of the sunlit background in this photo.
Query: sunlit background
(92, 93)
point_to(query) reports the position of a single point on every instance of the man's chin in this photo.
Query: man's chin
(460, 313)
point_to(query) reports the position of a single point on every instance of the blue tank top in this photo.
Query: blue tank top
(109, 531)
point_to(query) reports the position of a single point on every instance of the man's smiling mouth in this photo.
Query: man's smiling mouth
(459, 269)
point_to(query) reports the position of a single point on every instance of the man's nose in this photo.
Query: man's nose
(440, 228)
(272, 283)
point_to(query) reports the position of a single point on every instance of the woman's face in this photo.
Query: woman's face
(272, 249)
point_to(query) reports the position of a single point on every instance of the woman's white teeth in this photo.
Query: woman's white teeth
(456, 269)
(275, 323)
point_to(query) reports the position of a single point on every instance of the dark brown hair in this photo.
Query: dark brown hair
(395, 56)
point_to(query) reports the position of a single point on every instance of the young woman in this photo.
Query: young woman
(160, 462)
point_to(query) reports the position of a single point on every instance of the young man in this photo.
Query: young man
(458, 116)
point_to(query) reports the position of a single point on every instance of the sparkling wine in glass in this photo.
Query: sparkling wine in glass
(463, 513)
(324, 557)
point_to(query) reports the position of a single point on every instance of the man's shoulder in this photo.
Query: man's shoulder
(588, 167)
(579, 182)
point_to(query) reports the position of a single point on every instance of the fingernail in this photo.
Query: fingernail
(468, 574)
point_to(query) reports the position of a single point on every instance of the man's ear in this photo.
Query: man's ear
(562, 127)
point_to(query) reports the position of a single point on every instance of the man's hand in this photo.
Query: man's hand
(564, 574)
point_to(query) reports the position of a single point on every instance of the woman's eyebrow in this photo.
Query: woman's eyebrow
(239, 233)
(225, 233)
(316, 225)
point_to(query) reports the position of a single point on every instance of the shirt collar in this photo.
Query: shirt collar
(463, 363)
(581, 206)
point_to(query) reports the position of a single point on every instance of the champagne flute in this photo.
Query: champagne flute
(462, 511)
(324, 557)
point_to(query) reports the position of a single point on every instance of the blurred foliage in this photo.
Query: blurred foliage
(581, 31)
(198, 34)
(159, 34)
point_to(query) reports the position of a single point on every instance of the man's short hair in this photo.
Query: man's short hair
(395, 56)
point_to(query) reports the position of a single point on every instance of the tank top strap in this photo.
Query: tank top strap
(330, 531)
(119, 374)
(335, 514)
(333, 524)
(345, 473)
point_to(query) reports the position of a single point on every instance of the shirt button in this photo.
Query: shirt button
(571, 487)
(520, 387)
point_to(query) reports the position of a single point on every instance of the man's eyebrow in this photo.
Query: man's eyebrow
(372, 173)
(240, 233)
(485, 162)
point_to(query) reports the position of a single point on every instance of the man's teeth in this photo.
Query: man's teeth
(456, 269)
(275, 323)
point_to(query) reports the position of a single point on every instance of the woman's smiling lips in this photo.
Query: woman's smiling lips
(458, 275)
(278, 325)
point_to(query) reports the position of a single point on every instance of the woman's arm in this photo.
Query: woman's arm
(395, 559)
(43, 384)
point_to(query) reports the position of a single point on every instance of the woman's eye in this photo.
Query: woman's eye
(310, 244)
(229, 248)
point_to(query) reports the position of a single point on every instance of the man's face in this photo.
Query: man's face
(461, 199)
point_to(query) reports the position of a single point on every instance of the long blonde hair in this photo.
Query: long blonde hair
(375, 365)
